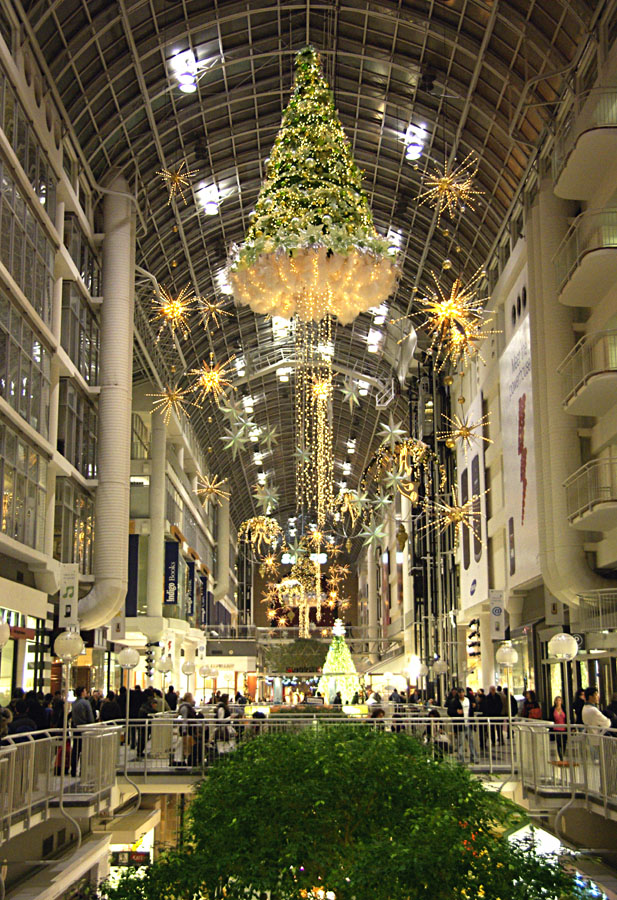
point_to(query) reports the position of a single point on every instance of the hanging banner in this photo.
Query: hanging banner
(68, 596)
(519, 462)
(204, 599)
(172, 567)
(190, 588)
(473, 556)
(498, 615)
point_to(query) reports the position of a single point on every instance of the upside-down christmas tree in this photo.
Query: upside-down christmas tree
(339, 670)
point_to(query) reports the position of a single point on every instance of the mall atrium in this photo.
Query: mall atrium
(308, 397)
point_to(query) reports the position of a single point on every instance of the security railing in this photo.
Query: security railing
(591, 230)
(596, 108)
(595, 611)
(31, 769)
(591, 485)
(595, 354)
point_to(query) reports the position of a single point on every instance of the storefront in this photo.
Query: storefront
(21, 659)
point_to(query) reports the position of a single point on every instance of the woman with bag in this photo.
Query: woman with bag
(531, 707)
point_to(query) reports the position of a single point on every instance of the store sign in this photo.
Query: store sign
(118, 628)
(519, 463)
(68, 596)
(498, 615)
(19, 633)
(473, 555)
(130, 858)
(172, 569)
(190, 588)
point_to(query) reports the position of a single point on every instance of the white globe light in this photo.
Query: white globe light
(422, 670)
(562, 646)
(204, 671)
(68, 645)
(440, 667)
(506, 654)
(161, 665)
(188, 667)
(5, 633)
(128, 658)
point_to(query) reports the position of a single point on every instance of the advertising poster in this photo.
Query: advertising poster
(519, 464)
(172, 568)
(472, 546)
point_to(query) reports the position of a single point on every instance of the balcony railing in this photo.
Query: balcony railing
(592, 485)
(596, 611)
(596, 108)
(591, 230)
(595, 354)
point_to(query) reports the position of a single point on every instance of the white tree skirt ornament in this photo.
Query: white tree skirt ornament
(310, 284)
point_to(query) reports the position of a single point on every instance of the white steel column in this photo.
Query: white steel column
(222, 555)
(407, 582)
(372, 601)
(156, 541)
(114, 432)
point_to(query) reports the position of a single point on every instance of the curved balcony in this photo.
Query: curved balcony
(591, 496)
(588, 134)
(586, 261)
(590, 374)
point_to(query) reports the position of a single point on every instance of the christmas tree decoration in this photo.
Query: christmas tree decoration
(176, 180)
(451, 188)
(312, 249)
(211, 379)
(210, 487)
(454, 318)
(461, 429)
(173, 311)
(260, 530)
(170, 399)
(339, 670)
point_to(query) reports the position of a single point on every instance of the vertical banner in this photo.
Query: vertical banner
(498, 615)
(519, 464)
(473, 555)
(130, 603)
(68, 596)
(172, 566)
(204, 599)
(190, 588)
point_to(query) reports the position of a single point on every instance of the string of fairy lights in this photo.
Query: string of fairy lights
(312, 254)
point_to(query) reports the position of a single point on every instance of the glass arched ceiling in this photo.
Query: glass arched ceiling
(459, 67)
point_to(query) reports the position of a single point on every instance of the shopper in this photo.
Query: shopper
(35, 710)
(492, 709)
(465, 734)
(531, 708)
(558, 717)
(146, 710)
(110, 709)
(81, 714)
(22, 723)
(593, 719)
(171, 698)
(579, 703)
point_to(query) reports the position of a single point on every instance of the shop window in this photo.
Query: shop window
(23, 482)
(73, 525)
(77, 428)
(82, 255)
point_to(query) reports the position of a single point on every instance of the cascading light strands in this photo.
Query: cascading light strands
(313, 407)
(312, 249)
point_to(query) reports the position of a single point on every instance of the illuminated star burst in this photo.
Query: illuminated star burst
(212, 311)
(173, 311)
(269, 566)
(211, 488)
(451, 188)
(455, 320)
(176, 180)
(465, 431)
(266, 497)
(211, 379)
(169, 400)
(442, 515)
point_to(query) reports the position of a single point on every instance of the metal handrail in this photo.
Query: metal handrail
(593, 483)
(595, 108)
(593, 229)
(594, 354)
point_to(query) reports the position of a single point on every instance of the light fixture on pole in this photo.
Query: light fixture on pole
(68, 646)
(128, 659)
(188, 668)
(204, 671)
(564, 647)
(440, 667)
(507, 656)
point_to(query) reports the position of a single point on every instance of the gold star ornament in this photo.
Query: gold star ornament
(211, 380)
(170, 399)
(451, 188)
(461, 429)
(212, 311)
(211, 489)
(173, 311)
(176, 180)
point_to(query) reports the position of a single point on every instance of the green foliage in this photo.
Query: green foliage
(313, 188)
(356, 811)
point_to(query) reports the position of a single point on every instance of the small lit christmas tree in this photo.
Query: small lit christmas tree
(339, 670)
(312, 248)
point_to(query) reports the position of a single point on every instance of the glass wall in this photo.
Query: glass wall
(77, 428)
(22, 138)
(80, 332)
(23, 480)
(24, 367)
(25, 249)
(73, 525)
(82, 255)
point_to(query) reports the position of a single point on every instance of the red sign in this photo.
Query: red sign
(19, 633)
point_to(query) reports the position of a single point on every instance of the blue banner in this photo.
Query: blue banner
(190, 588)
(172, 566)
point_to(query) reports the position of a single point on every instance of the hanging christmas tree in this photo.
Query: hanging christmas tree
(339, 670)
(312, 249)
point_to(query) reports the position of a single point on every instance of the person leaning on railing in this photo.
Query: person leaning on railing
(593, 719)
